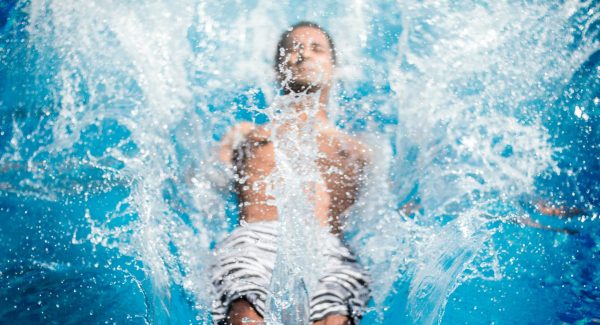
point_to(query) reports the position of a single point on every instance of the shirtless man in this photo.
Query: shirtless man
(304, 64)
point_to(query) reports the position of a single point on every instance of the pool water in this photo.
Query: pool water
(484, 114)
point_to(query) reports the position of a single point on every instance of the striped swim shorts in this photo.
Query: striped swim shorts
(244, 264)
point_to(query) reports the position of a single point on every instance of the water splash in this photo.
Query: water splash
(130, 101)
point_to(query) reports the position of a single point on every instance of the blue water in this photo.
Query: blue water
(110, 202)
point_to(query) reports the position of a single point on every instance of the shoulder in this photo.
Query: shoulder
(232, 139)
(259, 134)
(255, 152)
(254, 143)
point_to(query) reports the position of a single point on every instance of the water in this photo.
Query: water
(476, 111)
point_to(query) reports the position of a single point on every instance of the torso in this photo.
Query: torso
(341, 164)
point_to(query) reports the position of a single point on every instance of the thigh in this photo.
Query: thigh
(242, 269)
(343, 286)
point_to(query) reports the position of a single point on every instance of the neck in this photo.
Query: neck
(306, 102)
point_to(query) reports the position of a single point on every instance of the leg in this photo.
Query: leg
(241, 273)
(242, 312)
(342, 293)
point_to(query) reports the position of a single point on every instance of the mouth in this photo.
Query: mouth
(307, 65)
(308, 69)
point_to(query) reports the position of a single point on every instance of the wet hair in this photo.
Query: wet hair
(283, 42)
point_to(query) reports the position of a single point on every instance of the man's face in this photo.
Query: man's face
(309, 61)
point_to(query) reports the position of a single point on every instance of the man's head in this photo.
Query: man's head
(305, 58)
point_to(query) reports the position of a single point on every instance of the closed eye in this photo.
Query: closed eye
(317, 48)
(296, 46)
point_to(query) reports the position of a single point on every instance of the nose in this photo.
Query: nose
(304, 54)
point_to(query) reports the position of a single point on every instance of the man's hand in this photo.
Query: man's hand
(550, 209)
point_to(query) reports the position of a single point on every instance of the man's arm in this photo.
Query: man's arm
(253, 160)
(232, 139)
(557, 210)
(223, 152)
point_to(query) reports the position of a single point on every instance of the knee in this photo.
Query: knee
(334, 320)
(242, 312)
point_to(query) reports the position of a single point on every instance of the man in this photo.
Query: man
(304, 64)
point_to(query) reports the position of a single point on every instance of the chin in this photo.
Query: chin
(311, 82)
(300, 86)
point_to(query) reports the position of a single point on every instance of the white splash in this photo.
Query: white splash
(469, 85)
